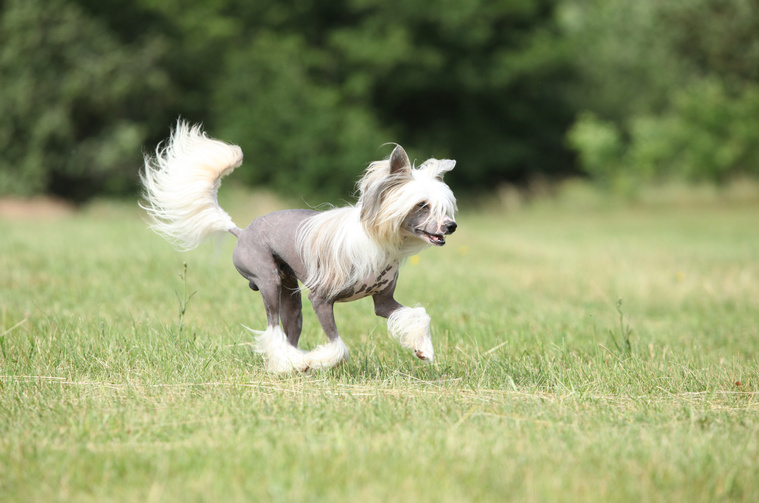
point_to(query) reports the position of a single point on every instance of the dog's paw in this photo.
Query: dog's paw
(326, 356)
(424, 355)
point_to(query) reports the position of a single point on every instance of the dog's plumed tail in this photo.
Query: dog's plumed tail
(181, 183)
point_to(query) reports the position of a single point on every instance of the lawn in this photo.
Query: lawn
(584, 352)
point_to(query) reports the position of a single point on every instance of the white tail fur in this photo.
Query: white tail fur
(181, 183)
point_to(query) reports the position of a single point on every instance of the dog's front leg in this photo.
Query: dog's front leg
(335, 351)
(410, 326)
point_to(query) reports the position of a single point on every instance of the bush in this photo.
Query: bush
(312, 100)
(310, 90)
(677, 86)
(599, 146)
(299, 135)
(73, 101)
(707, 135)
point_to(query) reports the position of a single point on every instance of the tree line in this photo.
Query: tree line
(614, 90)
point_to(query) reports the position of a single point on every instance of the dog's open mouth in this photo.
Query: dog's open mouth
(433, 239)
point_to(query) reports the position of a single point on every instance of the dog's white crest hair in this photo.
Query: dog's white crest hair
(181, 183)
(385, 199)
(344, 246)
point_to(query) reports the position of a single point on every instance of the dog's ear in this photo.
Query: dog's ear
(437, 168)
(441, 167)
(399, 162)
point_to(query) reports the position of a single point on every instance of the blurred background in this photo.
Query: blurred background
(622, 93)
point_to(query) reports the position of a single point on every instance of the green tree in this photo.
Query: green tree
(311, 90)
(73, 101)
(675, 82)
(299, 134)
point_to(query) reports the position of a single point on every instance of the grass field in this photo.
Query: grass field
(585, 352)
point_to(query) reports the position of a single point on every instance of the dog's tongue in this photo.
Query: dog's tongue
(437, 239)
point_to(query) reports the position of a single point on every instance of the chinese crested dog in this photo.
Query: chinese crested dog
(340, 255)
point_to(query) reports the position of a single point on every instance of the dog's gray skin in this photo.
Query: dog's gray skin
(266, 255)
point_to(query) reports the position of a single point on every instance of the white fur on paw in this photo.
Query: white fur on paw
(327, 355)
(410, 326)
(280, 356)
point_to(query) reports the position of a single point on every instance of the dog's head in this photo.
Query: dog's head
(400, 203)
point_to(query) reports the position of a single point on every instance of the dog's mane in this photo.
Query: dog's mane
(342, 247)
(337, 252)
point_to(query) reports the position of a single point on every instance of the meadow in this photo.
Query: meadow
(586, 350)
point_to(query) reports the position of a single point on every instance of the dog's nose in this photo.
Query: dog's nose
(451, 228)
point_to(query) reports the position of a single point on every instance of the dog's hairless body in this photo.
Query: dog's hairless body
(340, 255)
(267, 257)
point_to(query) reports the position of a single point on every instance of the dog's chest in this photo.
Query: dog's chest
(372, 284)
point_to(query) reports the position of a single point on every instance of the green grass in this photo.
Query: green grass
(546, 387)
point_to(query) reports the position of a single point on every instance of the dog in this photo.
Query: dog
(339, 255)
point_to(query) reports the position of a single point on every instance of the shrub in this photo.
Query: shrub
(72, 102)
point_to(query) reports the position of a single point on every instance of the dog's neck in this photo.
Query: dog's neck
(338, 253)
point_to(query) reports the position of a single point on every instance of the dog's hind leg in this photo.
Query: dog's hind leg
(291, 309)
(273, 344)
(335, 351)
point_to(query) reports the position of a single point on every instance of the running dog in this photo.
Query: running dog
(339, 255)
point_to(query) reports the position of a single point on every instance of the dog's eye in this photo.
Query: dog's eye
(422, 205)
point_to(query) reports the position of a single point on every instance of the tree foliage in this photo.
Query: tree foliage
(311, 90)
(676, 89)
(314, 90)
(74, 101)
(312, 93)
